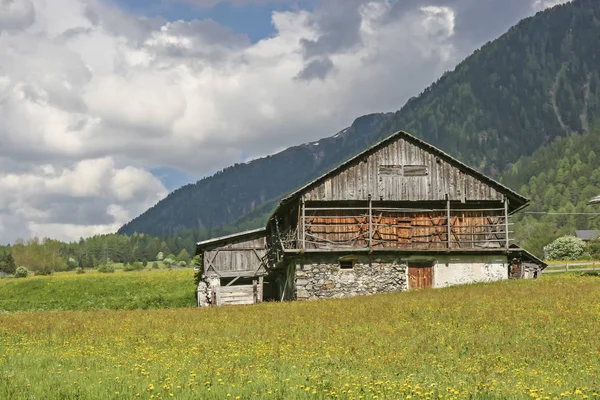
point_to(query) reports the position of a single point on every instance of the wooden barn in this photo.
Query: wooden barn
(233, 269)
(400, 215)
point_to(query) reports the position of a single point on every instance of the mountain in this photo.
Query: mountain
(559, 178)
(243, 188)
(537, 82)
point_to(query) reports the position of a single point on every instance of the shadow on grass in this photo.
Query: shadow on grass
(591, 273)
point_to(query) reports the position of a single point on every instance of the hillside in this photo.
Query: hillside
(463, 342)
(537, 82)
(558, 178)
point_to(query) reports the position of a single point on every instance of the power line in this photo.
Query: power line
(559, 213)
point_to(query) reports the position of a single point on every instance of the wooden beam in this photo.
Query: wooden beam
(233, 280)
(303, 223)
(370, 222)
(215, 295)
(211, 264)
(448, 221)
(255, 291)
(243, 249)
(506, 221)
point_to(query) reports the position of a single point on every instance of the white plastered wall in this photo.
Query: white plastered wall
(457, 270)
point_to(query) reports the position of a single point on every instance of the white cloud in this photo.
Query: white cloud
(91, 196)
(16, 14)
(91, 97)
(543, 4)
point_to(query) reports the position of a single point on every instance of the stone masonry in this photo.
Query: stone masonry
(320, 276)
(205, 290)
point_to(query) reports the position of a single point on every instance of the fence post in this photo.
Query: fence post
(567, 269)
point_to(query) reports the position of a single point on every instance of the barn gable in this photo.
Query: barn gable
(405, 168)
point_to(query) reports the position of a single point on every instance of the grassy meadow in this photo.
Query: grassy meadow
(512, 339)
(64, 291)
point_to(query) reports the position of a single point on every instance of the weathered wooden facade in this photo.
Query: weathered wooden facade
(400, 215)
(233, 269)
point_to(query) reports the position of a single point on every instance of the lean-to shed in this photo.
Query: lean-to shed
(233, 268)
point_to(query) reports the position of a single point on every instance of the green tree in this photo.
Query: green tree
(184, 256)
(7, 263)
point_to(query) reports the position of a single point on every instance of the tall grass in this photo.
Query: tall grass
(512, 339)
(96, 291)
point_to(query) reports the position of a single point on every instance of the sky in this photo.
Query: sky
(108, 105)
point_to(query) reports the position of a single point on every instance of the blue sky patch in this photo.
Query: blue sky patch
(253, 19)
(172, 178)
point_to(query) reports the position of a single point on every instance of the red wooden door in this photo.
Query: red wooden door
(420, 277)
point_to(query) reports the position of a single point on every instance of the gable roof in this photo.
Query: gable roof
(515, 198)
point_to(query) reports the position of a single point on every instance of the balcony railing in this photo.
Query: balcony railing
(339, 228)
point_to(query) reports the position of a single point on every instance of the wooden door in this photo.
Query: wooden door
(515, 270)
(420, 277)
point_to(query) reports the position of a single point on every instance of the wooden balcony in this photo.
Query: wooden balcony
(396, 229)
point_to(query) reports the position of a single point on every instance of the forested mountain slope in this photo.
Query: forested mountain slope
(558, 178)
(537, 82)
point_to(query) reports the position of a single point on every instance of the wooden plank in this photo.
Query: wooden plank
(236, 297)
(238, 302)
(233, 281)
(236, 289)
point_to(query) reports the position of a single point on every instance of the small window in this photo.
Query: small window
(402, 170)
(346, 264)
(415, 170)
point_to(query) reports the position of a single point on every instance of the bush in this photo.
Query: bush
(155, 265)
(106, 269)
(565, 248)
(135, 266)
(79, 270)
(44, 271)
(21, 272)
(182, 264)
(145, 263)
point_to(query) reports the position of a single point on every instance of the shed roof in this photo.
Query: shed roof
(527, 255)
(517, 201)
(234, 238)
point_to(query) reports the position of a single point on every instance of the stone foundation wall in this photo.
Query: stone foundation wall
(320, 276)
(205, 291)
